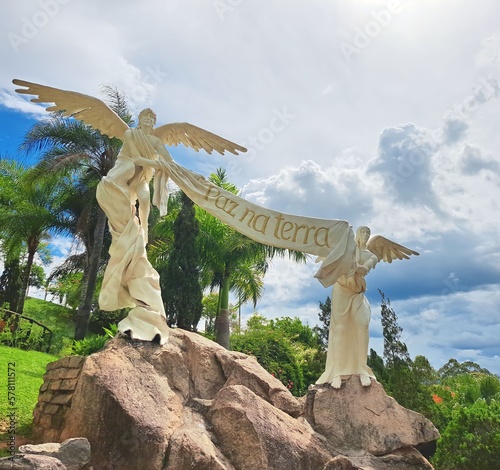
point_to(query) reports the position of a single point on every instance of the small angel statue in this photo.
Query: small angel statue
(130, 280)
(350, 317)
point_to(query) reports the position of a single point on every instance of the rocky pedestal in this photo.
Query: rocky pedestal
(190, 404)
(365, 418)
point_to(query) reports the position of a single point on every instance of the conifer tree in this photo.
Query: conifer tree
(324, 317)
(395, 350)
(10, 284)
(181, 289)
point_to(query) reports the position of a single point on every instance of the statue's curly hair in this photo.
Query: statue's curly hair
(147, 111)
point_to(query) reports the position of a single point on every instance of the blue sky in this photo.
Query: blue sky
(383, 113)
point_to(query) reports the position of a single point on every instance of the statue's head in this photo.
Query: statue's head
(148, 112)
(362, 235)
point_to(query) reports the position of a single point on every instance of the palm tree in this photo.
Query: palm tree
(71, 146)
(232, 261)
(30, 210)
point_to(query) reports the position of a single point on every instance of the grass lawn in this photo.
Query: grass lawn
(56, 317)
(29, 370)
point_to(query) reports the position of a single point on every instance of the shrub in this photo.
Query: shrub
(93, 343)
(472, 438)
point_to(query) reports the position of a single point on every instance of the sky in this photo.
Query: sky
(382, 113)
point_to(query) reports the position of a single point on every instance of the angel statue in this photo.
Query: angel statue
(129, 280)
(348, 336)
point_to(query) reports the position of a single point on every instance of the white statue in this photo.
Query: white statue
(130, 280)
(350, 317)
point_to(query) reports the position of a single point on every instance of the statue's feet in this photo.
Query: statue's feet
(365, 380)
(337, 382)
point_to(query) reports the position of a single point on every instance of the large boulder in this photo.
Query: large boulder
(31, 462)
(73, 453)
(190, 404)
(365, 418)
(256, 435)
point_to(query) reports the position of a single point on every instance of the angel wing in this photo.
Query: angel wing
(196, 138)
(387, 250)
(85, 108)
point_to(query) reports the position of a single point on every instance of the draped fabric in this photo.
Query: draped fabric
(129, 279)
(348, 336)
(331, 240)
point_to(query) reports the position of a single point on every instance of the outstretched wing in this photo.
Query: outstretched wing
(85, 108)
(196, 138)
(387, 250)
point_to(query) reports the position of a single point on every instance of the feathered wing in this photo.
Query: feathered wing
(387, 250)
(196, 138)
(90, 110)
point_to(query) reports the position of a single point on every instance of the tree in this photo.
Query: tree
(285, 347)
(453, 368)
(324, 315)
(180, 283)
(232, 261)
(37, 276)
(10, 284)
(471, 439)
(404, 381)
(69, 145)
(32, 210)
(425, 372)
(395, 351)
(376, 364)
(210, 304)
(229, 261)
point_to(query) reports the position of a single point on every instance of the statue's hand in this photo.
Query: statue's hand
(362, 270)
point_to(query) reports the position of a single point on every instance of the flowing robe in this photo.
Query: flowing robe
(350, 318)
(129, 279)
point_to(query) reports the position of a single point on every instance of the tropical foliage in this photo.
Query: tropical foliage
(67, 146)
(286, 348)
(180, 280)
(31, 209)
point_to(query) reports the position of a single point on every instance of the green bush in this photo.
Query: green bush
(275, 353)
(93, 343)
(21, 333)
(88, 345)
(56, 317)
(472, 438)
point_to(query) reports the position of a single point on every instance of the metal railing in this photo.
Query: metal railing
(14, 334)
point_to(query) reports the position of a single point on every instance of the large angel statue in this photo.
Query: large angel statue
(350, 316)
(130, 280)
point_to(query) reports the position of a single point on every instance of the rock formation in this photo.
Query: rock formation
(72, 454)
(191, 404)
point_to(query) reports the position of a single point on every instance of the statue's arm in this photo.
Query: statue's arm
(162, 151)
(365, 267)
(165, 157)
(371, 262)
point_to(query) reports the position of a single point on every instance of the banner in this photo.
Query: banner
(331, 240)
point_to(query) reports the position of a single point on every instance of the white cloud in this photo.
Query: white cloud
(489, 54)
(403, 137)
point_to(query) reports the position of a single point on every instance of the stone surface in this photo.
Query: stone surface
(56, 394)
(141, 397)
(73, 453)
(190, 404)
(365, 418)
(407, 458)
(256, 435)
(31, 462)
(192, 449)
(340, 463)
